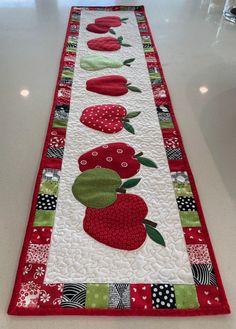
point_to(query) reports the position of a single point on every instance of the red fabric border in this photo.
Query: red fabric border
(13, 310)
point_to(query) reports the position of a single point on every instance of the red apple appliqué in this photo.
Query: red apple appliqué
(107, 44)
(104, 24)
(123, 224)
(100, 29)
(110, 21)
(119, 225)
(108, 118)
(112, 85)
(119, 157)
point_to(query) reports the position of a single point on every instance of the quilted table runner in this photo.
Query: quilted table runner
(116, 226)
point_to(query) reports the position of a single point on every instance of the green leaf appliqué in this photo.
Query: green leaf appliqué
(133, 88)
(132, 114)
(127, 61)
(112, 31)
(120, 39)
(147, 162)
(128, 127)
(125, 45)
(155, 235)
(130, 183)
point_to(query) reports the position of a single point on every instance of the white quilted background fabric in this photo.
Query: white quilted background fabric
(74, 256)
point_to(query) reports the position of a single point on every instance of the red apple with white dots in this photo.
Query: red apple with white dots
(119, 157)
(108, 118)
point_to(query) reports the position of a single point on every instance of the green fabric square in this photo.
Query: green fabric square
(59, 123)
(166, 124)
(182, 189)
(189, 219)
(97, 295)
(70, 49)
(186, 296)
(44, 218)
(48, 187)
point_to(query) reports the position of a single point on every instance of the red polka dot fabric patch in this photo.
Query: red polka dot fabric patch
(41, 235)
(141, 296)
(208, 296)
(194, 235)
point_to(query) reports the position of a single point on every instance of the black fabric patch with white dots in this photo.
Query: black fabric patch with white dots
(163, 109)
(46, 202)
(186, 203)
(174, 154)
(163, 296)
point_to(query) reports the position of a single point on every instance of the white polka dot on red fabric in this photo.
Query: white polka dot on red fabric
(124, 164)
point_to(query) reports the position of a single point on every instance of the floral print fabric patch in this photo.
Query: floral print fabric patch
(112, 187)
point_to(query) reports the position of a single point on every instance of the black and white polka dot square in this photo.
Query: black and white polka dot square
(46, 202)
(163, 296)
(174, 154)
(186, 203)
(163, 109)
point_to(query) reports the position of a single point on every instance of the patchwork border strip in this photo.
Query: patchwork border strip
(31, 296)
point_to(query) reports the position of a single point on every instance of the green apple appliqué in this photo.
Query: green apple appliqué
(98, 188)
(99, 62)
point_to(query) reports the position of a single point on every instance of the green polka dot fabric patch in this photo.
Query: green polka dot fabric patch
(186, 296)
(97, 296)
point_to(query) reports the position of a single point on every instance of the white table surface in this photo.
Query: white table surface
(197, 49)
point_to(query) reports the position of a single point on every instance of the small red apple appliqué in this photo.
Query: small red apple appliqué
(119, 157)
(104, 24)
(100, 29)
(112, 85)
(119, 225)
(108, 118)
(107, 44)
(110, 21)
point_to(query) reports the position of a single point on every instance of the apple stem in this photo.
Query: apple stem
(138, 155)
(121, 190)
(149, 222)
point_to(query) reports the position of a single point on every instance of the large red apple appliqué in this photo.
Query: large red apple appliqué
(119, 225)
(112, 85)
(119, 157)
(122, 225)
(108, 118)
(107, 44)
